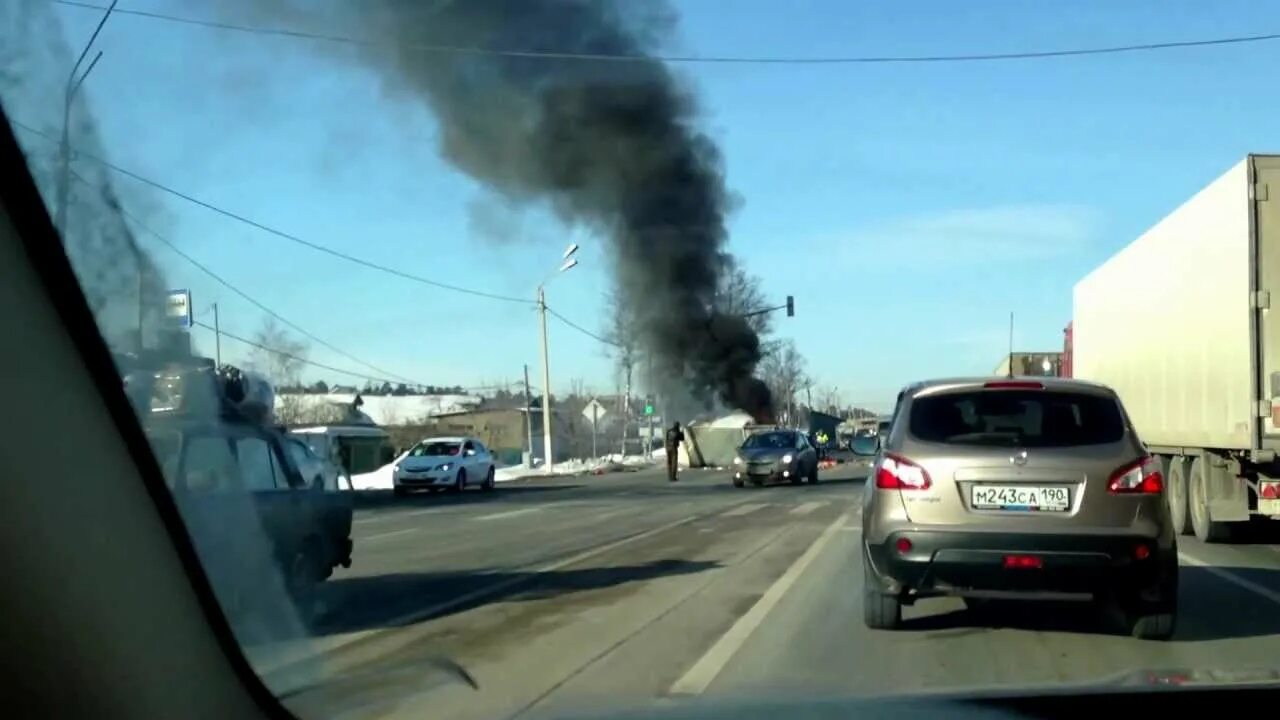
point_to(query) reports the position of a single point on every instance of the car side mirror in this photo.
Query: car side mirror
(865, 446)
(471, 453)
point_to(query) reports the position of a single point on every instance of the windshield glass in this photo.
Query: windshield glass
(771, 440)
(1027, 419)
(558, 293)
(435, 447)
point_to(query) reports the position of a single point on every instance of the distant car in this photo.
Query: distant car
(774, 456)
(444, 463)
(1017, 489)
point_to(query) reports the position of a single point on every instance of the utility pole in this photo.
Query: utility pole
(64, 146)
(1010, 373)
(626, 409)
(595, 422)
(528, 416)
(548, 461)
(217, 337)
(569, 263)
(141, 344)
(653, 399)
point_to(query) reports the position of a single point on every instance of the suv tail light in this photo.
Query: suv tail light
(899, 473)
(1142, 476)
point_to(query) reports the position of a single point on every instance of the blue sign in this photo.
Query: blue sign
(177, 308)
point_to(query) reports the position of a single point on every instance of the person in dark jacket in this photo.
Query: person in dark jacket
(675, 436)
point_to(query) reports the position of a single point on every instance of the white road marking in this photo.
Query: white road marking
(387, 534)
(808, 507)
(509, 513)
(1232, 578)
(394, 515)
(703, 672)
(519, 575)
(743, 509)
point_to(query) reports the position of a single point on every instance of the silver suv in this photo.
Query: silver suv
(1016, 489)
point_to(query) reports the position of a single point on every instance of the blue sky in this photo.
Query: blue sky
(908, 208)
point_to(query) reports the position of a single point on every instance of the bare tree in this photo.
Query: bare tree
(827, 399)
(622, 331)
(278, 355)
(740, 293)
(783, 370)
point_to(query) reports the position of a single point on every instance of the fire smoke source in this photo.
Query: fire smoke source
(609, 144)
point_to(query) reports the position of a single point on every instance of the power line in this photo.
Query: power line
(581, 329)
(330, 368)
(252, 301)
(291, 356)
(279, 233)
(293, 238)
(708, 59)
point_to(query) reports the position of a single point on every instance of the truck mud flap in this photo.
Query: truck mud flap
(1228, 494)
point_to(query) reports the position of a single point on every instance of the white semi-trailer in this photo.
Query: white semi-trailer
(1184, 323)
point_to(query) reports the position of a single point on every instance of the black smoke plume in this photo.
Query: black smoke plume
(611, 144)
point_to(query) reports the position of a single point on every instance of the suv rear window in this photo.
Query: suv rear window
(1025, 418)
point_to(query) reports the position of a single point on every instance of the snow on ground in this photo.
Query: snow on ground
(393, 409)
(380, 479)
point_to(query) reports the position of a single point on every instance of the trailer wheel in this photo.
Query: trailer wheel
(1176, 492)
(1205, 529)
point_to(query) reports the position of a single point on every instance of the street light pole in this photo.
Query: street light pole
(547, 461)
(64, 146)
(569, 262)
(528, 416)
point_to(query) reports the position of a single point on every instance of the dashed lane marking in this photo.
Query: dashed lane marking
(509, 513)
(381, 517)
(703, 672)
(743, 509)
(1234, 579)
(806, 508)
(379, 536)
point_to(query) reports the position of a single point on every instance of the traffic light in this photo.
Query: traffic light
(791, 306)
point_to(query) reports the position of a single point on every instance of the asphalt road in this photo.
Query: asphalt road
(569, 593)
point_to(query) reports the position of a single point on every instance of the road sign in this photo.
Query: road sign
(594, 411)
(177, 308)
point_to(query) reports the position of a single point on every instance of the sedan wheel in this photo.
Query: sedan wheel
(461, 483)
(489, 481)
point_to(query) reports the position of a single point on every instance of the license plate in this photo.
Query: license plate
(1033, 498)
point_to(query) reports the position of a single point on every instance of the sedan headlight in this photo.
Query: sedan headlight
(445, 467)
(786, 459)
(737, 460)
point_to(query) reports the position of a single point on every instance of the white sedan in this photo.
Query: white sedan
(450, 463)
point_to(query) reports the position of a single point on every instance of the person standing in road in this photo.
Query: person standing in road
(675, 436)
